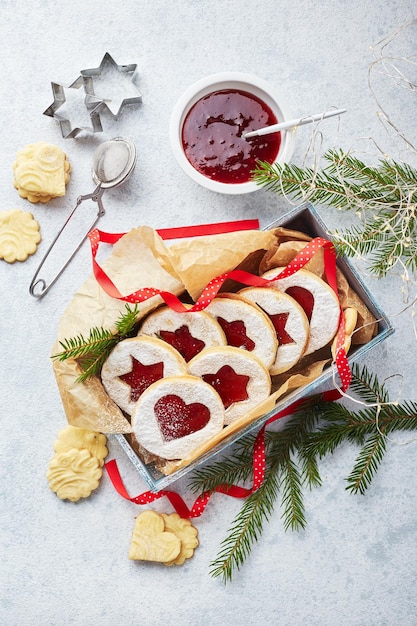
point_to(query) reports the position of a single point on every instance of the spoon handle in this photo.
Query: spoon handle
(307, 119)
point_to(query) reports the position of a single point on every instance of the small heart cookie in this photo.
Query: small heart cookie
(319, 301)
(289, 321)
(239, 377)
(246, 326)
(175, 415)
(151, 542)
(189, 333)
(136, 363)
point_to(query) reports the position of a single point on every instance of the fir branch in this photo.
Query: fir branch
(292, 461)
(246, 529)
(91, 352)
(384, 197)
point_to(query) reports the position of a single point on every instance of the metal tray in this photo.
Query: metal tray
(306, 219)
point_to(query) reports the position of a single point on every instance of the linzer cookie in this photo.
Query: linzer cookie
(240, 378)
(19, 235)
(289, 321)
(175, 415)
(134, 364)
(189, 333)
(246, 326)
(41, 172)
(319, 301)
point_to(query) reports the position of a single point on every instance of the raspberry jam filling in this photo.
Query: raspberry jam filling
(236, 334)
(183, 341)
(230, 386)
(279, 321)
(177, 419)
(141, 377)
(304, 297)
(212, 135)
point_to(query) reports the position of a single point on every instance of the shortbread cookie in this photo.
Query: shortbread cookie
(73, 474)
(189, 333)
(187, 534)
(239, 377)
(175, 415)
(41, 172)
(318, 300)
(151, 542)
(246, 326)
(351, 318)
(82, 439)
(136, 363)
(289, 321)
(19, 235)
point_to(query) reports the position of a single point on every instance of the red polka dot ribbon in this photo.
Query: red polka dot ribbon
(207, 295)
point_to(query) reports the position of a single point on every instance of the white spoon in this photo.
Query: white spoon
(307, 119)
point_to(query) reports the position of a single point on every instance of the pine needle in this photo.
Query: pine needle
(292, 462)
(384, 197)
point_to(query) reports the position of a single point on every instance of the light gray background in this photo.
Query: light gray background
(65, 563)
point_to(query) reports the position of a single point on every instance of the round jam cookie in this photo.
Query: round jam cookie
(19, 235)
(177, 414)
(289, 321)
(136, 363)
(245, 326)
(239, 377)
(318, 300)
(189, 333)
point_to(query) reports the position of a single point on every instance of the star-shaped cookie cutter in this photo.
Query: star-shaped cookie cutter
(70, 106)
(111, 86)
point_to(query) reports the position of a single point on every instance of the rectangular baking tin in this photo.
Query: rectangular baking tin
(306, 219)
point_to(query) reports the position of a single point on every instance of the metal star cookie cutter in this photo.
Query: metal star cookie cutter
(111, 86)
(72, 109)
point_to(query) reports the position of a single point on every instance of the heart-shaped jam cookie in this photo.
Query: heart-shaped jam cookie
(177, 419)
(239, 377)
(175, 415)
(135, 364)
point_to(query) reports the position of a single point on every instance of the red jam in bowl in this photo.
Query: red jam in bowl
(212, 135)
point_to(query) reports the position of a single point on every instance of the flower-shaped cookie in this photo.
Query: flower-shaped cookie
(73, 474)
(19, 235)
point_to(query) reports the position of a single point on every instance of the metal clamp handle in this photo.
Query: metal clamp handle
(39, 287)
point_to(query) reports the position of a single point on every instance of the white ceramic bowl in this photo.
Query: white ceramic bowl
(234, 81)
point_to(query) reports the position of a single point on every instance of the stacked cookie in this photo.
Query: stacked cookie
(41, 172)
(188, 375)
